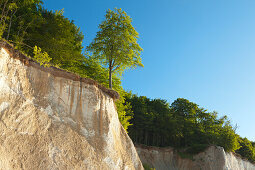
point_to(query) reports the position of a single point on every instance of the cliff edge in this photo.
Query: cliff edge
(52, 119)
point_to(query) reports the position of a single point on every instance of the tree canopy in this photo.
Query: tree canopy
(27, 24)
(183, 124)
(116, 43)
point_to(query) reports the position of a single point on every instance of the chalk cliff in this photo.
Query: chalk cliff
(52, 119)
(213, 158)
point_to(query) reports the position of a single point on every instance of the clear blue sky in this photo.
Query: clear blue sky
(200, 50)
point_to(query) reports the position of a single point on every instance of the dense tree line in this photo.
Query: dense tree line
(183, 124)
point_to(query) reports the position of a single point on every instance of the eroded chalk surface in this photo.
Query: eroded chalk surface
(53, 122)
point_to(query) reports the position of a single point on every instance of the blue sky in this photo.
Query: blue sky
(200, 50)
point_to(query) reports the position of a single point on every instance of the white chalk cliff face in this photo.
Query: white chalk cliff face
(213, 158)
(51, 119)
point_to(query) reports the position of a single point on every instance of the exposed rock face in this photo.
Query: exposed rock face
(51, 119)
(213, 158)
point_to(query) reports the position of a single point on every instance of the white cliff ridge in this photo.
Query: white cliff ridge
(213, 158)
(52, 119)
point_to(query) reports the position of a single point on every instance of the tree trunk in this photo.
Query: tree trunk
(10, 24)
(110, 77)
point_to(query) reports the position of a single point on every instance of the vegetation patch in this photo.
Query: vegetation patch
(185, 155)
(147, 167)
(197, 148)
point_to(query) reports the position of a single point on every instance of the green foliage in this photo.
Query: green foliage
(147, 167)
(6, 12)
(185, 155)
(182, 124)
(124, 108)
(26, 24)
(196, 148)
(116, 44)
(185, 126)
(151, 119)
(41, 57)
(16, 16)
(247, 149)
(57, 35)
(228, 139)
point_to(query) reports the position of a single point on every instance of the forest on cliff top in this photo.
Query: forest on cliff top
(53, 40)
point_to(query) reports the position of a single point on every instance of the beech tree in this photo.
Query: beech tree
(116, 43)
